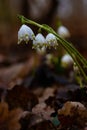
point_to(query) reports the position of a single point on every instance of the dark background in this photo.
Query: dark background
(72, 14)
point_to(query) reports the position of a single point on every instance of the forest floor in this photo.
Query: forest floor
(37, 95)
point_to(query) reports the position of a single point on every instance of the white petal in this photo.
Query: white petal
(50, 36)
(51, 40)
(39, 41)
(66, 60)
(63, 32)
(25, 33)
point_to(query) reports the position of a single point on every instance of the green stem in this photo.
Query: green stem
(73, 49)
(75, 60)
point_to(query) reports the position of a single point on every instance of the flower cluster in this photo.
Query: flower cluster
(25, 33)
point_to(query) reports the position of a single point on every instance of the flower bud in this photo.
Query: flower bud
(66, 60)
(75, 67)
(63, 32)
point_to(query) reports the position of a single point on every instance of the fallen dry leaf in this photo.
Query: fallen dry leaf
(35, 122)
(49, 91)
(20, 96)
(69, 107)
(12, 74)
(73, 112)
(43, 110)
(44, 125)
(9, 120)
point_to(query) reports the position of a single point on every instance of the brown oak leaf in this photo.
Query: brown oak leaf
(43, 110)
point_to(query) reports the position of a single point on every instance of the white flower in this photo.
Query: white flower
(25, 33)
(51, 40)
(39, 41)
(63, 32)
(66, 60)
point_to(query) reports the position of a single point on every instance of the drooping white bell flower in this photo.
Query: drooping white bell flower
(66, 61)
(63, 32)
(51, 40)
(39, 41)
(25, 33)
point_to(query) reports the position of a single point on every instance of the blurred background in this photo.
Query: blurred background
(72, 14)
